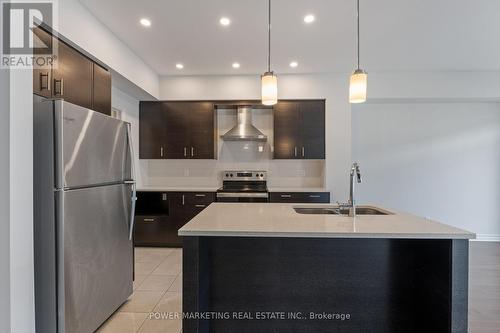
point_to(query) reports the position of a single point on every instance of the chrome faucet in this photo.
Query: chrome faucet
(351, 203)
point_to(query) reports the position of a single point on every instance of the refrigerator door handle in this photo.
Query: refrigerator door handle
(132, 182)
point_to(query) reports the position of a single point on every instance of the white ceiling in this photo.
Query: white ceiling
(396, 35)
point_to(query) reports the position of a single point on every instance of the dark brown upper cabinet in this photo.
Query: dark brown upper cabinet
(101, 97)
(42, 77)
(72, 77)
(152, 131)
(299, 129)
(177, 130)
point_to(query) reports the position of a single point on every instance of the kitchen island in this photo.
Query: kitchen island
(266, 268)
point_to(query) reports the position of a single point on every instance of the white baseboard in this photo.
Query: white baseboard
(487, 238)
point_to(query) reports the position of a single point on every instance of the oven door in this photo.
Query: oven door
(242, 197)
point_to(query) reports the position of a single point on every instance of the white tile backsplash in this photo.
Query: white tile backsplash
(236, 156)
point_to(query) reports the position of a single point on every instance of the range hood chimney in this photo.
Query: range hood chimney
(244, 130)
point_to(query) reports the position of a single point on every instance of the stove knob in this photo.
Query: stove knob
(227, 175)
(262, 175)
(231, 175)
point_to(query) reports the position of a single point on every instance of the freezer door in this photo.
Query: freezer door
(91, 148)
(95, 265)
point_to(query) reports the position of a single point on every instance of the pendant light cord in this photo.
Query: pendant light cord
(269, 38)
(358, 30)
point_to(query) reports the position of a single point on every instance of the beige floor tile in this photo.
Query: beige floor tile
(152, 255)
(145, 268)
(161, 326)
(170, 303)
(123, 322)
(172, 265)
(176, 286)
(141, 301)
(157, 282)
(139, 278)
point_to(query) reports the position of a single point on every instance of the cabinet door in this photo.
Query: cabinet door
(286, 130)
(72, 76)
(312, 129)
(101, 90)
(200, 117)
(42, 77)
(177, 123)
(178, 215)
(152, 131)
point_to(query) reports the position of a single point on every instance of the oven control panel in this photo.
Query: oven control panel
(244, 175)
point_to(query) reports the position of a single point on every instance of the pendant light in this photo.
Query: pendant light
(358, 83)
(269, 81)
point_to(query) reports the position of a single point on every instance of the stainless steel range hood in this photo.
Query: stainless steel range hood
(244, 130)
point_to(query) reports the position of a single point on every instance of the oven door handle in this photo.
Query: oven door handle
(242, 195)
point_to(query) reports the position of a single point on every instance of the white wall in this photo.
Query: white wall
(332, 87)
(81, 27)
(129, 107)
(21, 202)
(4, 202)
(439, 160)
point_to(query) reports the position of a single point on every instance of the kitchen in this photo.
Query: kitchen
(428, 127)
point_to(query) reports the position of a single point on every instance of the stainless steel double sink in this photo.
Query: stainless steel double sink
(360, 210)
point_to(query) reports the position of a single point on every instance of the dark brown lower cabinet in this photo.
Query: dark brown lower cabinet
(300, 197)
(161, 230)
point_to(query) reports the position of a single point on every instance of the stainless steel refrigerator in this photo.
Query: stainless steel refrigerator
(84, 201)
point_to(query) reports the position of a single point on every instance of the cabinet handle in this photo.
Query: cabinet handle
(314, 196)
(46, 77)
(59, 82)
(200, 206)
(183, 200)
(164, 196)
(161, 151)
(295, 150)
(303, 152)
(185, 151)
(148, 220)
(286, 195)
(200, 195)
(192, 151)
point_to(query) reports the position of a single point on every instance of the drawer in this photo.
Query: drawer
(200, 198)
(153, 230)
(316, 197)
(300, 197)
(285, 197)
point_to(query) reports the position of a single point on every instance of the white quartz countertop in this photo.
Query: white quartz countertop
(281, 220)
(296, 189)
(176, 189)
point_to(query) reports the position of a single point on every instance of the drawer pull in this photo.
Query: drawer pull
(164, 196)
(314, 196)
(200, 195)
(148, 220)
(286, 195)
(200, 206)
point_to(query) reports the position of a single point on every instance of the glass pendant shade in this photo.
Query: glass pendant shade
(269, 88)
(358, 86)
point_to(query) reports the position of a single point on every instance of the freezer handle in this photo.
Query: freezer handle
(132, 182)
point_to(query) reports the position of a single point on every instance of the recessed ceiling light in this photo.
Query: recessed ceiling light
(225, 21)
(309, 18)
(236, 65)
(145, 22)
(179, 66)
(294, 64)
